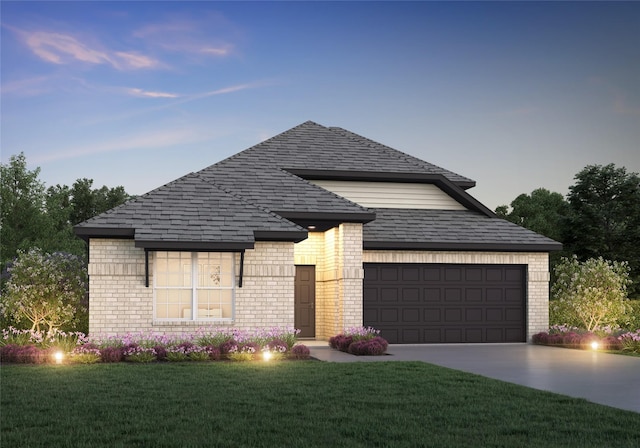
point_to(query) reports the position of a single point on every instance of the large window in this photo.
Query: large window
(194, 285)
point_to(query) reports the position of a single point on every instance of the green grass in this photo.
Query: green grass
(292, 404)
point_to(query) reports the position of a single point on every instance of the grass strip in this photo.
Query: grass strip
(293, 404)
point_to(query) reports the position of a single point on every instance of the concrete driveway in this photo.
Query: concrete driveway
(612, 380)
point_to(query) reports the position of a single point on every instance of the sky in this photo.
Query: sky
(515, 95)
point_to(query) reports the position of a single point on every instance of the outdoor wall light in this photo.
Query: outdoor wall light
(594, 345)
(59, 357)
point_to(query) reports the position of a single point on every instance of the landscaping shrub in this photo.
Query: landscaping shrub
(35, 346)
(359, 341)
(112, 354)
(86, 354)
(589, 294)
(631, 341)
(300, 351)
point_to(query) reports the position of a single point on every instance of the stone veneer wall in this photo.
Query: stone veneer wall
(337, 255)
(537, 274)
(120, 303)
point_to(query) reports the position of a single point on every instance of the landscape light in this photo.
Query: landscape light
(58, 356)
(594, 345)
(266, 356)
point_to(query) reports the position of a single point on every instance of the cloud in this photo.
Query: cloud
(150, 140)
(147, 94)
(57, 48)
(193, 37)
(28, 87)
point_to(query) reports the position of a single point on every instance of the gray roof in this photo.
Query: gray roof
(263, 193)
(448, 230)
(191, 213)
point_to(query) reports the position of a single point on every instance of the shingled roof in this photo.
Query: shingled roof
(263, 193)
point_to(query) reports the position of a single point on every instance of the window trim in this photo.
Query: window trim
(193, 288)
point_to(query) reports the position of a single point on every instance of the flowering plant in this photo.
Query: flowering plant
(86, 354)
(138, 353)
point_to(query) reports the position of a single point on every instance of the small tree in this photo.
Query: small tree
(45, 289)
(589, 294)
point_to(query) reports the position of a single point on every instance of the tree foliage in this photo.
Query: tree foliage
(600, 218)
(33, 216)
(45, 289)
(542, 211)
(604, 218)
(589, 294)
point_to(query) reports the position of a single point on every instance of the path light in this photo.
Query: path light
(59, 357)
(594, 345)
(266, 355)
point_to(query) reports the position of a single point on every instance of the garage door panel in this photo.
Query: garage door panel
(389, 294)
(473, 295)
(431, 274)
(411, 274)
(494, 295)
(512, 295)
(453, 314)
(411, 335)
(494, 315)
(453, 295)
(432, 294)
(473, 335)
(453, 274)
(410, 295)
(432, 315)
(411, 315)
(422, 303)
(473, 315)
(432, 336)
(389, 274)
(388, 315)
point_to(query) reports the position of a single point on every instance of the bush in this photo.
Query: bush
(45, 289)
(300, 351)
(589, 294)
(111, 354)
(86, 354)
(631, 319)
(25, 354)
(359, 341)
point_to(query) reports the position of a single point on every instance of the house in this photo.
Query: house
(321, 229)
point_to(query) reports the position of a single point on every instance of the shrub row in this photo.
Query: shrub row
(24, 346)
(573, 338)
(360, 341)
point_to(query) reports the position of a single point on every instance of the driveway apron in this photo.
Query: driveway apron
(612, 380)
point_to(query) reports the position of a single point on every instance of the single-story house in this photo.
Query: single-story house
(321, 229)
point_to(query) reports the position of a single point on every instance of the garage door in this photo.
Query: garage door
(445, 303)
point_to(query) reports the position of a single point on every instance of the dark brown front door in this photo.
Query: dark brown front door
(305, 301)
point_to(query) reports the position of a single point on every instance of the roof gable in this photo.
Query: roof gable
(191, 212)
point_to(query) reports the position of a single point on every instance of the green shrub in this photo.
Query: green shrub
(589, 294)
(631, 319)
(45, 289)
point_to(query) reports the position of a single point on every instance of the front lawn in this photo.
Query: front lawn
(296, 404)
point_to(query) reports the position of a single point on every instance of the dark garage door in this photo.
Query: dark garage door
(442, 303)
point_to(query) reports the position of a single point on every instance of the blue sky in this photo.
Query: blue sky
(515, 95)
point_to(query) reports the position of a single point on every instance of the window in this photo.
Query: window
(194, 285)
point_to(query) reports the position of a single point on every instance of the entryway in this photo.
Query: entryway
(305, 301)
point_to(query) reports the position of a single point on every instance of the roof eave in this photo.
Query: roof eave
(202, 246)
(461, 246)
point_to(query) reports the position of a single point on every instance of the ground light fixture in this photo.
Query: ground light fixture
(595, 345)
(58, 356)
(266, 355)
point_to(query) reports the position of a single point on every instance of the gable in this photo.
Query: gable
(392, 194)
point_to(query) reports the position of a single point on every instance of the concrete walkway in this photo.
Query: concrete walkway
(612, 380)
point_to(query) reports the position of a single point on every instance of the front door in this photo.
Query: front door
(305, 301)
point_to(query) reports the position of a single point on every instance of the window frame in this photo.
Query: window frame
(194, 287)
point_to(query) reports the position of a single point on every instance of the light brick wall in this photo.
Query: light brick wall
(337, 255)
(120, 303)
(537, 274)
